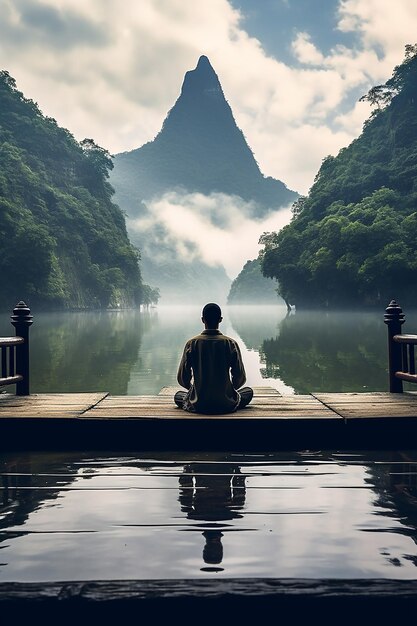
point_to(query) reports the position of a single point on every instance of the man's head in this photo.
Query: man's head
(211, 315)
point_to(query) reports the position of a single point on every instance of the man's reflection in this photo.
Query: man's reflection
(212, 492)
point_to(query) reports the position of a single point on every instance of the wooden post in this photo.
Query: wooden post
(394, 318)
(22, 320)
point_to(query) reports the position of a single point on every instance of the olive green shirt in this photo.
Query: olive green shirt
(212, 370)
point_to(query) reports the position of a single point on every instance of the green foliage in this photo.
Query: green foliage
(151, 295)
(63, 241)
(352, 240)
(251, 287)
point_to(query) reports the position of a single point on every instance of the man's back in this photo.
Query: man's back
(211, 369)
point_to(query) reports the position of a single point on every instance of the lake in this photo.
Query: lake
(132, 352)
(283, 515)
(302, 514)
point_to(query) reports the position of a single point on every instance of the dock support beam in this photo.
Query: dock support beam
(22, 320)
(394, 318)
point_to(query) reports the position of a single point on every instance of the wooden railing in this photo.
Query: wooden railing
(401, 353)
(8, 350)
(14, 352)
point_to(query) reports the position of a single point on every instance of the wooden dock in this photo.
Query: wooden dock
(271, 422)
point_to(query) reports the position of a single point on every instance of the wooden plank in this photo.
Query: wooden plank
(48, 405)
(135, 590)
(371, 405)
(58, 399)
(41, 414)
(258, 391)
(167, 601)
(281, 408)
(165, 401)
(318, 406)
(358, 413)
(380, 396)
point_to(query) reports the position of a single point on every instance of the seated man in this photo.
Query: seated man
(211, 369)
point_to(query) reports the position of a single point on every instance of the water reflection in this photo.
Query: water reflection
(132, 352)
(212, 493)
(316, 351)
(88, 351)
(316, 515)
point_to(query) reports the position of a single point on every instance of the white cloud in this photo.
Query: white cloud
(111, 70)
(305, 51)
(213, 228)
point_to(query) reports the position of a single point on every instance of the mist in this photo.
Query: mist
(217, 229)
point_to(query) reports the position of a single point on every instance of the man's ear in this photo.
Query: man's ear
(220, 320)
(202, 319)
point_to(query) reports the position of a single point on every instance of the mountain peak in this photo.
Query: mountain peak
(202, 80)
(198, 149)
(204, 63)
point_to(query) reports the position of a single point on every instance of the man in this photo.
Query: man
(212, 370)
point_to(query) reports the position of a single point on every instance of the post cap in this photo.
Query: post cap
(21, 314)
(394, 312)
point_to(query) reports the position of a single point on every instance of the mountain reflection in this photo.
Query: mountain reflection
(328, 352)
(88, 351)
(212, 492)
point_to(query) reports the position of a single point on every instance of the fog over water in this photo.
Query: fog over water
(137, 352)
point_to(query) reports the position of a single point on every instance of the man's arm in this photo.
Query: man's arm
(184, 369)
(237, 369)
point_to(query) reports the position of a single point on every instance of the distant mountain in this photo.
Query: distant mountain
(63, 241)
(199, 149)
(353, 239)
(251, 287)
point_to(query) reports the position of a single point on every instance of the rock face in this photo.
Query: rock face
(199, 149)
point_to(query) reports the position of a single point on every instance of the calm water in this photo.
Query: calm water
(301, 514)
(308, 515)
(130, 352)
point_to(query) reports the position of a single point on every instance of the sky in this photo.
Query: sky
(292, 70)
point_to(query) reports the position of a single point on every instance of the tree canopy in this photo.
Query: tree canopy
(63, 240)
(352, 240)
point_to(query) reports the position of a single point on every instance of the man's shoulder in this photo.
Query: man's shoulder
(210, 336)
(229, 339)
(194, 339)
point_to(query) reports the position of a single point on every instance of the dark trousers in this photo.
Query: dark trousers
(246, 395)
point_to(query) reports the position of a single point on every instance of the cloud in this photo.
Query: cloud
(216, 228)
(111, 70)
(305, 51)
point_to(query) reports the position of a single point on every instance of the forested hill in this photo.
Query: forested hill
(251, 287)
(63, 241)
(353, 239)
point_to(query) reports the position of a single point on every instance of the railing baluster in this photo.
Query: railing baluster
(12, 360)
(412, 368)
(404, 357)
(3, 362)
